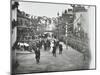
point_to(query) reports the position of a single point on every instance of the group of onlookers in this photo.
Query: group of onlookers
(51, 45)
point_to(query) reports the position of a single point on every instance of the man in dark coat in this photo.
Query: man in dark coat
(40, 44)
(48, 44)
(45, 46)
(37, 55)
(60, 48)
(54, 49)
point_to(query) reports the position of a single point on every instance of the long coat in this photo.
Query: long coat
(37, 54)
(60, 47)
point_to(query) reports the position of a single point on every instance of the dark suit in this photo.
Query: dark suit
(37, 55)
(60, 49)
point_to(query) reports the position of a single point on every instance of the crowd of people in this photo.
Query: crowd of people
(47, 44)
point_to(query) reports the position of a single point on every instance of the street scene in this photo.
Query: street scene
(49, 37)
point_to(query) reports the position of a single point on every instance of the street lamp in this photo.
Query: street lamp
(58, 25)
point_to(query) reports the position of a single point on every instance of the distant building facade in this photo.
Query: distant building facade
(22, 19)
(68, 19)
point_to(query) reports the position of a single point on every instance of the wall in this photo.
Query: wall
(91, 12)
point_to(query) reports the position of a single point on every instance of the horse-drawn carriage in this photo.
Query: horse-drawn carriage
(25, 45)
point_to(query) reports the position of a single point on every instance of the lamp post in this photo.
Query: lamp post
(58, 25)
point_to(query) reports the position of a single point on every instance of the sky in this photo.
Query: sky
(42, 9)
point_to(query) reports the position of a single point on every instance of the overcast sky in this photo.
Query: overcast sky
(42, 9)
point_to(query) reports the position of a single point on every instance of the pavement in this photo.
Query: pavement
(69, 60)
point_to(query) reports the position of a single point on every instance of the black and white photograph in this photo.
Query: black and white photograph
(52, 37)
